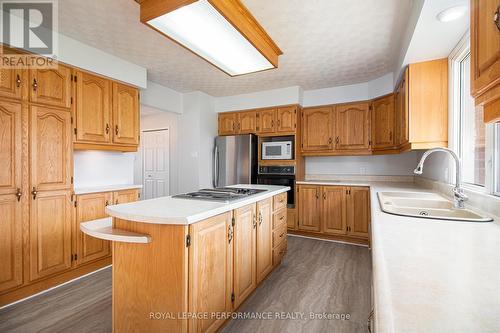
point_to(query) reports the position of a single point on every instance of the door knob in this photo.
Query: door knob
(34, 192)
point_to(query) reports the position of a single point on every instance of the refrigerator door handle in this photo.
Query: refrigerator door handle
(216, 167)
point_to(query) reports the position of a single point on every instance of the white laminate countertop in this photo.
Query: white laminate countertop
(106, 188)
(169, 210)
(432, 275)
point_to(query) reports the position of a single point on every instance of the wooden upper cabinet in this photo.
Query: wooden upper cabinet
(264, 238)
(245, 276)
(51, 86)
(358, 211)
(485, 46)
(210, 271)
(383, 122)
(425, 89)
(125, 196)
(12, 82)
(247, 122)
(91, 207)
(333, 210)
(286, 119)
(93, 108)
(353, 127)
(50, 233)
(317, 129)
(10, 147)
(125, 114)
(309, 207)
(227, 123)
(11, 250)
(51, 149)
(266, 121)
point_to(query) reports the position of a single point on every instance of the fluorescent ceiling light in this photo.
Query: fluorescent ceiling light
(452, 14)
(202, 29)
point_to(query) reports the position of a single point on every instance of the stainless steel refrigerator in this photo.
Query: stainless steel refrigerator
(235, 160)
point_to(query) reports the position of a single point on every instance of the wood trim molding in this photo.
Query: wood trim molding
(339, 238)
(95, 146)
(232, 10)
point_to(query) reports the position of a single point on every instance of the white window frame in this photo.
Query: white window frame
(457, 55)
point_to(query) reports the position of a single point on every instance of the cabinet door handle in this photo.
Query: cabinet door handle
(34, 192)
(496, 18)
(330, 141)
(107, 203)
(107, 128)
(279, 123)
(116, 130)
(230, 234)
(324, 196)
(337, 140)
(261, 219)
(254, 222)
(19, 194)
(35, 85)
(18, 81)
(390, 136)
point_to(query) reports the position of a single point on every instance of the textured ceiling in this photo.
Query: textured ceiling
(325, 43)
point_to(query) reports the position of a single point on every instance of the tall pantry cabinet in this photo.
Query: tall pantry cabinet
(36, 174)
(40, 110)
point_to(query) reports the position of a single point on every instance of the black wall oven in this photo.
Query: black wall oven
(279, 175)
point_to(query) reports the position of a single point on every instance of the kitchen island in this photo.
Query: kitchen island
(184, 265)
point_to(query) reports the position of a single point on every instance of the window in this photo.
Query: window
(496, 154)
(472, 130)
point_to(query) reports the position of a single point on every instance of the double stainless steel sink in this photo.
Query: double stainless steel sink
(426, 205)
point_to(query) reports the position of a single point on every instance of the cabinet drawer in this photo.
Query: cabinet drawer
(279, 218)
(279, 252)
(279, 201)
(279, 234)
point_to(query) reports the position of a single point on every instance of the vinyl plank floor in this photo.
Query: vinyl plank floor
(315, 278)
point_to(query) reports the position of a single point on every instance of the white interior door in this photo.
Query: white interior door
(156, 163)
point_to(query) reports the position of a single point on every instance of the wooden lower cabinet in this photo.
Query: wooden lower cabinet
(245, 263)
(334, 211)
(264, 238)
(11, 242)
(91, 207)
(50, 233)
(210, 271)
(358, 211)
(309, 207)
(125, 196)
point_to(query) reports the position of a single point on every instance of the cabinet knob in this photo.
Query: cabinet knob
(116, 130)
(18, 81)
(35, 85)
(337, 140)
(34, 192)
(330, 141)
(19, 194)
(107, 128)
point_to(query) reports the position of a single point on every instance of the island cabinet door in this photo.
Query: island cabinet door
(210, 271)
(264, 238)
(245, 277)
